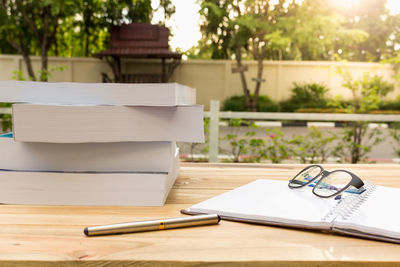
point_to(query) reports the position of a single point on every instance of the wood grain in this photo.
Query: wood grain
(53, 235)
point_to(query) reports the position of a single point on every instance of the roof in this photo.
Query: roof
(139, 40)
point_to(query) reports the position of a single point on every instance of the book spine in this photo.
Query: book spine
(349, 204)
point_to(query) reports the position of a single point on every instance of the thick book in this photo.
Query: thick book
(133, 94)
(98, 124)
(87, 188)
(367, 215)
(120, 156)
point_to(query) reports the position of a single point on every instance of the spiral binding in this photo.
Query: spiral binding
(349, 204)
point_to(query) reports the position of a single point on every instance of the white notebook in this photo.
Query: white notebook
(132, 94)
(99, 124)
(368, 215)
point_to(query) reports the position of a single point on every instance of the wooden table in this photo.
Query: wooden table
(52, 235)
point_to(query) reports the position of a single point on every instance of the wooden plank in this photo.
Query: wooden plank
(242, 68)
(52, 235)
(261, 80)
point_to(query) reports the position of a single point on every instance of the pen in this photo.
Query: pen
(163, 224)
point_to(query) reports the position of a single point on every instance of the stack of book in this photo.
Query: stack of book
(95, 144)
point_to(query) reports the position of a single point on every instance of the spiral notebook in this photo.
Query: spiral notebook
(369, 215)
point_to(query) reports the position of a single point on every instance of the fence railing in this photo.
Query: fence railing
(215, 115)
(5, 110)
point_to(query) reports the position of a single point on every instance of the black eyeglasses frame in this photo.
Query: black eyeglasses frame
(355, 180)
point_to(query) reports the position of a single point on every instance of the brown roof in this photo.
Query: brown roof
(139, 40)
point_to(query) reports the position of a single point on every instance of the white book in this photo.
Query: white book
(88, 124)
(95, 188)
(371, 214)
(121, 156)
(142, 94)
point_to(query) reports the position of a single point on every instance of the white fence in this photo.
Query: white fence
(5, 110)
(215, 115)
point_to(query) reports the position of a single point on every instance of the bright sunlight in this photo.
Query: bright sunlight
(393, 6)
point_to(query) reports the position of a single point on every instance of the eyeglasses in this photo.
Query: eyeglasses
(327, 184)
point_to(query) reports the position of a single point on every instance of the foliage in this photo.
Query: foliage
(246, 28)
(367, 93)
(87, 32)
(395, 134)
(314, 147)
(278, 30)
(372, 17)
(6, 121)
(275, 147)
(306, 95)
(237, 103)
(306, 30)
(393, 112)
(313, 98)
(390, 104)
(239, 145)
(318, 32)
(194, 147)
(251, 148)
(33, 25)
(321, 110)
(45, 74)
(66, 28)
(356, 142)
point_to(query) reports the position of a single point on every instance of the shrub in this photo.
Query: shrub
(306, 95)
(275, 148)
(239, 145)
(321, 110)
(390, 104)
(314, 147)
(237, 103)
(6, 121)
(358, 140)
(395, 134)
(199, 147)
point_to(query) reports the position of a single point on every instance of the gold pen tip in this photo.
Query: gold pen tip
(85, 231)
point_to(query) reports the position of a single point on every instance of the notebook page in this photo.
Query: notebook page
(378, 215)
(270, 201)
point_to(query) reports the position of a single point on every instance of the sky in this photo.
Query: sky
(394, 6)
(184, 24)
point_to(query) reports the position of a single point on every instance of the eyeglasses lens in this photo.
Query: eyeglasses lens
(305, 176)
(332, 183)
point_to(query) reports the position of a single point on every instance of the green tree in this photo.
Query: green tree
(66, 28)
(246, 29)
(97, 16)
(372, 17)
(30, 23)
(318, 32)
(367, 93)
(259, 30)
(87, 32)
